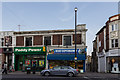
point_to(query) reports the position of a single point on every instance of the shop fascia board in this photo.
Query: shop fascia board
(23, 53)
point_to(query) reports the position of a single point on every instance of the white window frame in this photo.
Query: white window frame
(113, 27)
(55, 45)
(25, 40)
(63, 39)
(99, 43)
(116, 27)
(44, 39)
(114, 43)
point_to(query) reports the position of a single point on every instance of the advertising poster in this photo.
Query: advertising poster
(34, 61)
(27, 63)
(41, 63)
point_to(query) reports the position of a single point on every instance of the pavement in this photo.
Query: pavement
(81, 76)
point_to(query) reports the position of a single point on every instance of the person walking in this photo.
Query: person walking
(5, 68)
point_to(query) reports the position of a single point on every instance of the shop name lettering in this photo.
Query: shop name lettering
(27, 50)
(71, 51)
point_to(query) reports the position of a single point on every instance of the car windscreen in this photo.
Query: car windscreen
(58, 67)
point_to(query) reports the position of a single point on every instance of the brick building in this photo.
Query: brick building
(108, 51)
(94, 58)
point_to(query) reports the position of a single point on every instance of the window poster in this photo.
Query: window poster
(27, 63)
(41, 63)
(34, 61)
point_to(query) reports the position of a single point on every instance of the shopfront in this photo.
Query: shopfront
(65, 57)
(25, 56)
(113, 64)
(7, 56)
(1, 51)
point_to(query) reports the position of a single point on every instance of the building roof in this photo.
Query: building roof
(44, 31)
(101, 30)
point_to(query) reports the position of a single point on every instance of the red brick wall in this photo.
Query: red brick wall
(20, 41)
(78, 40)
(107, 37)
(57, 40)
(38, 40)
(101, 38)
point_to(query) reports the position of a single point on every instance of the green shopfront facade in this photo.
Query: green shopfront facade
(25, 56)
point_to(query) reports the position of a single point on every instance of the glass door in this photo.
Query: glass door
(20, 62)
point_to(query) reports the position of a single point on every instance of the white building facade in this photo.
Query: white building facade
(108, 47)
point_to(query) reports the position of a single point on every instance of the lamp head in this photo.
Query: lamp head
(75, 9)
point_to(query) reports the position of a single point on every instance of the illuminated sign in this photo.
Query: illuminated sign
(29, 49)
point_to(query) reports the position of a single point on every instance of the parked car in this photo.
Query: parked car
(60, 70)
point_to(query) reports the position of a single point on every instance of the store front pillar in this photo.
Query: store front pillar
(13, 60)
(84, 66)
(46, 63)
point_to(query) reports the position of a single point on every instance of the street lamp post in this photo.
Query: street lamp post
(75, 37)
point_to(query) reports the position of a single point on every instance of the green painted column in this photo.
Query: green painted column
(23, 59)
(14, 61)
(45, 60)
(23, 62)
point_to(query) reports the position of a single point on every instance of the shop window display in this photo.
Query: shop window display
(53, 63)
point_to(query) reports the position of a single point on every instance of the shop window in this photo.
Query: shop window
(47, 40)
(67, 40)
(28, 41)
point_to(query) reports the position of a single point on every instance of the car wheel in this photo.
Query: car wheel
(70, 74)
(47, 74)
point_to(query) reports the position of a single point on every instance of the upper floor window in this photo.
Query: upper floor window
(100, 44)
(114, 43)
(28, 41)
(47, 40)
(116, 26)
(112, 27)
(67, 40)
(8, 40)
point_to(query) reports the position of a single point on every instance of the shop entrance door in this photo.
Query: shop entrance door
(20, 62)
(16, 62)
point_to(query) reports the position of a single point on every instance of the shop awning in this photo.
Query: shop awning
(65, 57)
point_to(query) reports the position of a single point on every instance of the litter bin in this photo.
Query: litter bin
(28, 70)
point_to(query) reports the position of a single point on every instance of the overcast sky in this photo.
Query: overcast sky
(57, 15)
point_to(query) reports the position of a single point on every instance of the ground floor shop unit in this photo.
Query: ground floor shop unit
(66, 60)
(28, 56)
(113, 64)
(7, 56)
(109, 62)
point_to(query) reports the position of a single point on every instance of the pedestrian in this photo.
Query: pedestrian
(5, 68)
(34, 67)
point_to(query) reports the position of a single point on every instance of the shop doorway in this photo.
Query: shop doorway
(16, 62)
(23, 61)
